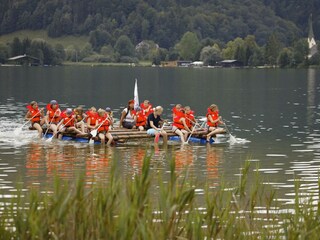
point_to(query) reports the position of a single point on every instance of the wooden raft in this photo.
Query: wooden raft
(123, 134)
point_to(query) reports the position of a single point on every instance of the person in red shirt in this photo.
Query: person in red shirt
(35, 115)
(146, 107)
(179, 125)
(67, 123)
(53, 116)
(190, 119)
(141, 119)
(213, 121)
(176, 109)
(91, 118)
(103, 122)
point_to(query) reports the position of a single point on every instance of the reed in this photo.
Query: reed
(134, 209)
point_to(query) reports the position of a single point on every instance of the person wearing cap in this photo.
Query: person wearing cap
(35, 115)
(67, 123)
(213, 121)
(53, 116)
(153, 124)
(141, 120)
(128, 116)
(102, 124)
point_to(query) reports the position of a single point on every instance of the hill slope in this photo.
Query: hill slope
(163, 21)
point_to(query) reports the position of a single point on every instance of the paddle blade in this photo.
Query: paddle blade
(91, 141)
(232, 139)
(94, 133)
(17, 131)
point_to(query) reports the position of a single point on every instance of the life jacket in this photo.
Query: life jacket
(190, 119)
(177, 120)
(144, 108)
(141, 119)
(215, 116)
(93, 118)
(105, 123)
(68, 121)
(35, 113)
(53, 114)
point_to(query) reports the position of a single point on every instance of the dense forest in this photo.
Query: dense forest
(254, 31)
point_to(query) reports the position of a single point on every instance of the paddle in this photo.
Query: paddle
(50, 139)
(194, 127)
(50, 123)
(18, 130)
(233, 140)
(95, 131)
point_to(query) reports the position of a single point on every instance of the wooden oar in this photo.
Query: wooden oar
(95, 131)
(18, 130)
(50, 123)
(50, 139)
(194, 127)
(195, 124)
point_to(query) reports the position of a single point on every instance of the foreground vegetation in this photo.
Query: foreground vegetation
(134, 209)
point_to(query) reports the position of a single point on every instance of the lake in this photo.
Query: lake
(274, 111)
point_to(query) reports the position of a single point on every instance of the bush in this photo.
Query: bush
(127, 59)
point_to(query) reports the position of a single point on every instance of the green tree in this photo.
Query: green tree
(211, 55)
(16, 47)
(300, 52)
(4, 53)
(285, 58)
(124, 46)
(232, 48)
(146, 49)
(272, 49)
(60, 52)
(85, 51)
(189, 46)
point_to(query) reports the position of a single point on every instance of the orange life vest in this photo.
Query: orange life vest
(141, 119)
(68, 121)
(190, 119)
(145, 109)
(105, 124)
(93, 117)
(177, 120)
(35, 114)
(215, 116)
(53, 114)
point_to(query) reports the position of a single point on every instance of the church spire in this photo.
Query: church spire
(313, 49)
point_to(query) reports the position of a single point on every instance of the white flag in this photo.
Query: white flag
(136, 96)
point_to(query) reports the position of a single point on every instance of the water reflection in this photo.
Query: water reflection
(213, 158)
(311, 92)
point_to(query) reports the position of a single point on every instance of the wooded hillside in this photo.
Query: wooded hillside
(163, 21)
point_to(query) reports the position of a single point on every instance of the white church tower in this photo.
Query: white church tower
(313, 49)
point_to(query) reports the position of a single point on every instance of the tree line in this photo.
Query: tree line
(162, 21)
(189, 47)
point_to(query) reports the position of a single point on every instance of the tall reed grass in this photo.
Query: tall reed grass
(135, 209)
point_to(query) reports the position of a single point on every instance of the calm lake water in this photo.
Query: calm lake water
(275, 112)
